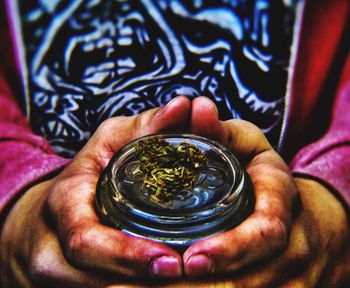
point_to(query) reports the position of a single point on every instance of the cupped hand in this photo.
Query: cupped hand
(298, 233)
(52, 236)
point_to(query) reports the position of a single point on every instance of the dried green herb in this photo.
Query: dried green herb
(169, 169)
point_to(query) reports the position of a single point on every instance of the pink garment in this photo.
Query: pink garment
(24, 157)
(328, 159)
(320, 114)
(321, 71)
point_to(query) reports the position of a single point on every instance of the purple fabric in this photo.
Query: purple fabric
(329, 158)
(24, 157)
(21, 165)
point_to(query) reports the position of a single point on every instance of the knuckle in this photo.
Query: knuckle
(300, 257)
(254, 131)
(141, 122)
(56, 192)
(39, 265)
(105, 126)
(76, 241)
(36, 270)
(59, 193)
(138, 122)
(274, 228)
(59, 188)
(109, 125)
(247, 125)
(303, 256)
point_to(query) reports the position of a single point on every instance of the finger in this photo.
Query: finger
(305, 262)
(243, 138)
(116, 132)
(86, 242)
(48, 268)
(291, 266)
(205, 118)
(262, 235)
(298, 266)
(265, 233)
(89, 245)
(40, 262)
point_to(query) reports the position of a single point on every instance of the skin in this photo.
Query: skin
(52, 236)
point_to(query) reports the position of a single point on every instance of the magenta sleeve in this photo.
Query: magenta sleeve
(328, 159)
(24, 156)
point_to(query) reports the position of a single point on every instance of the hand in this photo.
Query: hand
(298, 233)
(52, 236)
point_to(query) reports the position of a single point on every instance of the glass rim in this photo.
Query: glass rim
(178, 228)
(230, 196)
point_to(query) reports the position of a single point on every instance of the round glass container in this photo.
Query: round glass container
(221, 198)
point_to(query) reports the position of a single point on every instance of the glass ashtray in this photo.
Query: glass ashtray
(208, 193)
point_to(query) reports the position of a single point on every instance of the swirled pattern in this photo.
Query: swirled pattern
(89, 60)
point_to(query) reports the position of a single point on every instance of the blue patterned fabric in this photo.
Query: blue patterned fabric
(86, 61)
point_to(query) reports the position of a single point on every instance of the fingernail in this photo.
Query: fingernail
(212, 104)
(166, 266)
(198, 265)
(161, 110)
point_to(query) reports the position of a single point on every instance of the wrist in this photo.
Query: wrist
(328, 221)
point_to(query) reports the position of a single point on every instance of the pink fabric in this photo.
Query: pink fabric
(24, 157)
(328, 159)
(320, 88)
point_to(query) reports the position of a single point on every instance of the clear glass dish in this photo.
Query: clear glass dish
(221, 198)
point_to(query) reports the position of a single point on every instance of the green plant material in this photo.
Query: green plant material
(168, 169)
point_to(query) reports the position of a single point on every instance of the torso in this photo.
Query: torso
(86, 61)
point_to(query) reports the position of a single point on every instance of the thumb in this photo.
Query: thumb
(86, 242)
(116, 132)
(244, 138)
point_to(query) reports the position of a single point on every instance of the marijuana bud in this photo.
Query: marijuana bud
(168, 169)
